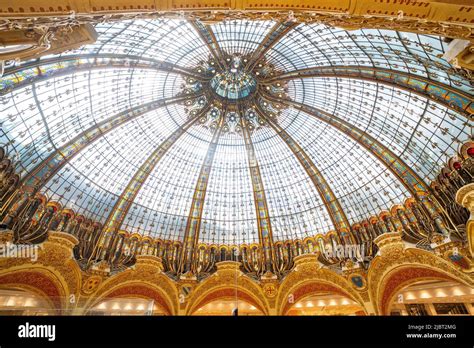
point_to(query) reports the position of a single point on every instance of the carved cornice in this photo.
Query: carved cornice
(69, 19)
(228, 265)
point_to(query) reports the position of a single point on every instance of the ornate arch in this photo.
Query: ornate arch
(146, 280)
(55, 275)
(307, 278)
(396, 268)
(136, 289)
(39, 280)
(228, 281)
(225, 292)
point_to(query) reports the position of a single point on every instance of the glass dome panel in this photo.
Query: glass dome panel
(42, 114)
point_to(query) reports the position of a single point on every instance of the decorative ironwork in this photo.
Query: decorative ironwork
(48, 167)
(263, 217)
(42, 70)
(407, 176)
(440, 92)
(331, 202)
(193, 224)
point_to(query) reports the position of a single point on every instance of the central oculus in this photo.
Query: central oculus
(234, 83)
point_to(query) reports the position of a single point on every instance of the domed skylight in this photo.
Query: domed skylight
(154, 129)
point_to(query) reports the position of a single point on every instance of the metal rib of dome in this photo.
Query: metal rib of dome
(236, 132)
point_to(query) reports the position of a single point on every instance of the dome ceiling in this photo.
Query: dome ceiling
(167, 126)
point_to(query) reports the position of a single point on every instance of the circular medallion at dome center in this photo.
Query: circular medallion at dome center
(234, 83)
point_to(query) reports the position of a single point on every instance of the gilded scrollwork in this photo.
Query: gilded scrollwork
(56, 276)
(147, 273)
(310, 273)
(228, 276)
(414, 265)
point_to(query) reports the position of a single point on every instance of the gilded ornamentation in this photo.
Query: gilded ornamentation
(270, 290)
(40, 281)
(358, 281)
(52, 279)
(80, 266)
(91, 284)
(308, 278)
(45, 39)
(408, 265)
(229, 281)
(55, 265)
(148, 274)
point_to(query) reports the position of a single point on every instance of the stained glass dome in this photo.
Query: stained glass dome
(235, 128)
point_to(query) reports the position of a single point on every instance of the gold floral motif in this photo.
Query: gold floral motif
(270, 290)
(91, 284)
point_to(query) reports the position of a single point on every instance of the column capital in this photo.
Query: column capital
(63, 239)
(149, 261)
(306, 259)
(228, 265)
(465, 197)
(389, 241)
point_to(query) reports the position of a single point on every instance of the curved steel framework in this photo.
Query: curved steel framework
(191, 234)
(407, 176)
(425, 87)
(45, 69)
(118, 213)
(55, 161)
(338, 217)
